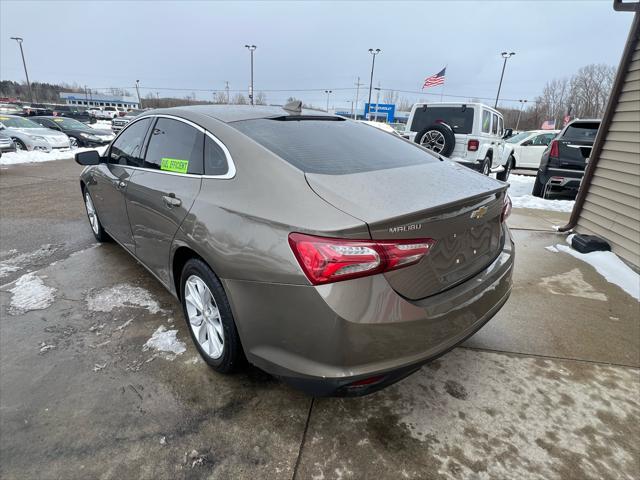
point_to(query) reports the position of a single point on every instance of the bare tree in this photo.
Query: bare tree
(220, 97)
(239, 99)
(261, 98)
(404, 104)
(390, 96)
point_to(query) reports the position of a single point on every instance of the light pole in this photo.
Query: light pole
(522, 102)
(138, 92)
(328, 92)
(375, 119)
(24, 64)
(506, 57)
(251, 49)
(373, 64)
(358, 85)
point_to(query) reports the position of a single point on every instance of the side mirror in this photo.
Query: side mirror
(508, 132)
(90, 157)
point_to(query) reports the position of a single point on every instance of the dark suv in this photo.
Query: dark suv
(563, 162)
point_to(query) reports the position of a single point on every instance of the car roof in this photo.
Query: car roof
(234, 113)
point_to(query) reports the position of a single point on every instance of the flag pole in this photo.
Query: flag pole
(442, 91)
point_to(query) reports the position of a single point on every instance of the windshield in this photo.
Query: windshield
(333, 147)
(519, 137)
(70, 123)
(18, 122)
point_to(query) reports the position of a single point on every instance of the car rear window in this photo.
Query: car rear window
(333, 147)
(582, 131)
(459, 118)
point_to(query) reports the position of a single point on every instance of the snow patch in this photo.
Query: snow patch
(520, 187)
(123, 295)
(30, 293)
(18, 262)
(610, 267)
(551, 248)
(571, 283)
(164, 340)
(15, 158)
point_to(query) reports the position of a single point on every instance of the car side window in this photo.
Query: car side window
(127, 148)
(542, 140)
(500, 127)
(494, 125)
(175, 147)
(486, 121)
(215, 160)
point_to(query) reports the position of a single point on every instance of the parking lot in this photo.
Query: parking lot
(548, 389)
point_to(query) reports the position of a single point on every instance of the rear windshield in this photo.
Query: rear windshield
(333, 147)
(582, 131)
(459, 118)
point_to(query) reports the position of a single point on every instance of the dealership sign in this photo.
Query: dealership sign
(381, 110)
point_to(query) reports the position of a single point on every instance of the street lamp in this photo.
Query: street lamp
(251, 49)
(19, 40)
(328, 92)
(373, 64)
(522, 102)
(138, 92)
(506, 57)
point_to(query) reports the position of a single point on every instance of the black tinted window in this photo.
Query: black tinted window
(459, 118)
(175, 147)
(582, 131)
(333, 147)
(127, 148)
(215, 161)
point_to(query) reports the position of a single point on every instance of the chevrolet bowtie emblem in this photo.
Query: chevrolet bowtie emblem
(479, 213)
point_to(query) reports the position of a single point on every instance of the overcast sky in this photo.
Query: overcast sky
(305, 45)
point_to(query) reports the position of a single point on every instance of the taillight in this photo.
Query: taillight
(473, 145)
(506, 209)
(327, 260)
(555, 152)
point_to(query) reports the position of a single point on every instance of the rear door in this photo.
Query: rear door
(531, 150)
(574, 146)
(162, 192)
(111, 180)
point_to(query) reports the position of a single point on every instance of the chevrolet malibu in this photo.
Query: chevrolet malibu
(335, 256)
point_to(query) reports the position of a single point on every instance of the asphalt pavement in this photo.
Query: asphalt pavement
(548, 389)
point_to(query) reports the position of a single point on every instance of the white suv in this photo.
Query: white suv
(468, 133)
(109, 113)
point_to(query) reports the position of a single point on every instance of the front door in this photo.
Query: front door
(531, 150)
(160, 194)
(112, 179)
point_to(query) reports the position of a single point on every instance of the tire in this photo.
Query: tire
(73, 142)
(215, 337)
(94, 221)
(438, 138)
(485, 168)
(538, 187)
(504, 175)
(20, 146)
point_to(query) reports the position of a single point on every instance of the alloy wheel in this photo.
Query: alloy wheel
(204, 317)
(433, 140)
(73, 142)
(91, 212)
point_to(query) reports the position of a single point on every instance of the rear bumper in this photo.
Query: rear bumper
(561, 178)
(322, 339)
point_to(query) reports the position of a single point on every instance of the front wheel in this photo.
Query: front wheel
(20, 146)
(208, 315)
(73, 142)
(504, 175)
(94, 221)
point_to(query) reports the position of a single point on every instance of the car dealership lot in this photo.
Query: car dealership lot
(547, 389)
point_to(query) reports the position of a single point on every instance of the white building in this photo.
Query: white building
(93, 99)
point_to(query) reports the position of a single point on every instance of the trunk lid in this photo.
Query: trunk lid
(449, 203)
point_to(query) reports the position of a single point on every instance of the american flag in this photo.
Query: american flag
(433, 80)
(548, 125)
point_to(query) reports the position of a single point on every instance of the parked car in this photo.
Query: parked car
(38, 109)
(80, 134)
(468, 133)
(93, 111)
(28, 135)
(78, 113)
(6, 143)
(10, 109)
(356, 257)
(524, 150)
(118, 123)
(564, 160)
(109, 113)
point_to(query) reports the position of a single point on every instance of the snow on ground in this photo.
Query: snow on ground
(610, 267)
(520, 187)
(14, 158)
(164, 340)
(15, 262)
(123, 295)
(30, 293)
(101, 125)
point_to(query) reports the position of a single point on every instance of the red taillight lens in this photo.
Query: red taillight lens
(554, 149)
(327, 260)
(506, 209)
(473, 145)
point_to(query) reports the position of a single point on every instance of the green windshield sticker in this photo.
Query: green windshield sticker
(58, 119)
(174, 165)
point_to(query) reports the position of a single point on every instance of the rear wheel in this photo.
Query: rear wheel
(208, 315)
(504, 175)
(438, 138)
(538, 188)
(486, 166)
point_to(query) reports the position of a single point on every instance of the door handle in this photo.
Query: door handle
(171, 201)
